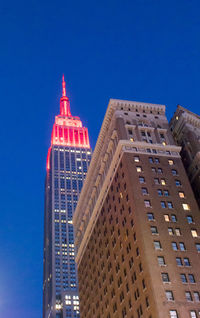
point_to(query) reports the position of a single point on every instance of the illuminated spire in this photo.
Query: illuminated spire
(63, 86)
(64, 101)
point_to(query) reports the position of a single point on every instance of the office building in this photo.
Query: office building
(185, 127)
(67, 162)
(137, 225)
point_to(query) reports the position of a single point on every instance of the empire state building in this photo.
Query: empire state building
(67, 163)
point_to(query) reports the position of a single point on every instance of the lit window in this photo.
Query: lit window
(147, 203)
(163, 182)
(193, 314)
(136, 159)
(188, 296)
(170, 231)
(178, 231)
(181, 194)
(186, 206)
(174, 246)
(196, 296)
(182, 246)
(191, 278)
(190, 219)
(166, 217)
(68, 302)
(154, 230)
(157, 245)
(183, 278)
(171, 162)
(169, 295)
(161, 260)
(139, 169)
(150, 216)
(165, 277)
(194, 233)
(173, 314)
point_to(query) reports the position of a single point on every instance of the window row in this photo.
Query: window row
(179, 261)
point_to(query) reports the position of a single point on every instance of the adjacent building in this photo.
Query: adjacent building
(185, 127)
(67, 163)
(137, 222)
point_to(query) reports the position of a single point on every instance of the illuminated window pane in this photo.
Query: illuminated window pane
(171, 162)
(186, 206)
(181, 194)
(178, 232)
(166, 217)
(194, 233)
(139, 169)
(163, 182)
(136, 159)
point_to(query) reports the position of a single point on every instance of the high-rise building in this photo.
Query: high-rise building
(185, 127)
(67, 163)
(137, 225)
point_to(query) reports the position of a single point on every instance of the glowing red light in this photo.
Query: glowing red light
(48, 158)
(67, 130)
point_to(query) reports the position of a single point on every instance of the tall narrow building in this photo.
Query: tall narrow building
(67, 163)
(137, 222)
(185, 127)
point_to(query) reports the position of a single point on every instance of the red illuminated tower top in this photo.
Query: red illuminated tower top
(67, 129)
(64, 101)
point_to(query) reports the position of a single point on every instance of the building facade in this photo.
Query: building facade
(67, 162)
(137, 225)
(185, 127)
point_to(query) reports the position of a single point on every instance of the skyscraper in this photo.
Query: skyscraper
(137, 222)
(185, 127)
(67, 163)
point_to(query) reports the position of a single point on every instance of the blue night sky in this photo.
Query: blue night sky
(142, 50)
